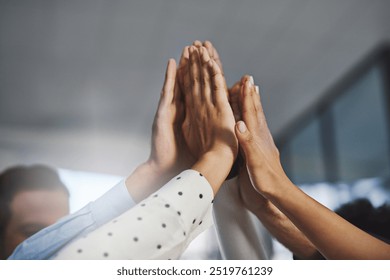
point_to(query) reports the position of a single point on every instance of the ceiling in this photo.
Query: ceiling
(80, 80)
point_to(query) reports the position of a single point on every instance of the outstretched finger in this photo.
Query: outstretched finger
(206, 82)
(182, 68)
(214, 54)
(247, 143)
(185, 77)
(248, 109)
(197, 43)
(167, 92)
(219, 91)
(195, 75)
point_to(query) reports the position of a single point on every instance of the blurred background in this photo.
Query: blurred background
(80, 82)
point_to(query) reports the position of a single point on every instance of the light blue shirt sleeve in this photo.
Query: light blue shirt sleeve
(45, 243)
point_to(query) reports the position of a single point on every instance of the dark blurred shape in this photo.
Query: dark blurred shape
(361, 213)
(31, 198)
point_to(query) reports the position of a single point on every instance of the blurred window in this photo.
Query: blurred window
(345, 137)
(306, 165)
(360, 129)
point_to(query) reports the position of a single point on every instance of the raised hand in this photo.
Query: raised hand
(261, 153)
(209, 120)
(208, 127)
(169, 154)
(303, 218)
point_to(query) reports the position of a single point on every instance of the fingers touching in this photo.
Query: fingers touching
(195, 76)
(211, 50)
(204, 78)
(206, 81)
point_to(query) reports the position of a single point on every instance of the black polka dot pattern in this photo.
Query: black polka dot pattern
(178, 209)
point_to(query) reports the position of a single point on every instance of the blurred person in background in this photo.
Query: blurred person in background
(31, 198)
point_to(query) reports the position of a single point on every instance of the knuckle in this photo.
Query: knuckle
(249, 138)
(204, 82)
(195, 79)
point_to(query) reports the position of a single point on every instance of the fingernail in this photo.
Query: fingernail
(257, 89)
(251, 80)
(241, 126)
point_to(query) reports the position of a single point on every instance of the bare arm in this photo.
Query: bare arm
(333, 236)
(275, 221)
(271, 217)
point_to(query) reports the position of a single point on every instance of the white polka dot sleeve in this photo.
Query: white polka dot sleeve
(157, 228)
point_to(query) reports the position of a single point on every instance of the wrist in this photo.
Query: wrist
(144, 180)
(163, 172)
(274, 185)
(225, 151)
(151, 167)
(215, 166)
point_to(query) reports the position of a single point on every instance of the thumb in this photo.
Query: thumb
(244, 137)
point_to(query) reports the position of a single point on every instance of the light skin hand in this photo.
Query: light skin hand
(208, 127)
(169, 155)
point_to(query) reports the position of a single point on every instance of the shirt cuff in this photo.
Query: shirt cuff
(119, 200)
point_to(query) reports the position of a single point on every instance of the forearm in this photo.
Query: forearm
(285, 231)
(275, 221)
(333, 236)
(145, 180)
